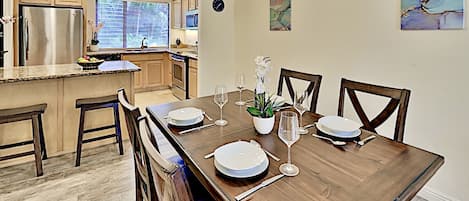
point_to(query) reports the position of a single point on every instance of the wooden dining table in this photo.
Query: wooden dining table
(382, 169)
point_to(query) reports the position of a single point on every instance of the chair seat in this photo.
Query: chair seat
(96, 101)
(31, 110)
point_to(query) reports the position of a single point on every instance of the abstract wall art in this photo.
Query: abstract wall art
(280, 15)
(432, 14)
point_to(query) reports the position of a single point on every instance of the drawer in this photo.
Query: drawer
(193, 63)
(143, 57)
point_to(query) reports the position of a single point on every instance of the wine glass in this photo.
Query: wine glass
(287, 132)
(302, 103)
(220, 98)
(240, 85)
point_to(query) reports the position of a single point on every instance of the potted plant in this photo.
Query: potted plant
(263, 110)
(94, 46)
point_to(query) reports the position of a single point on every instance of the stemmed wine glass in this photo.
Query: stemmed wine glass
(288, 133)
(220, 98)
(302, 103)
(240, 85)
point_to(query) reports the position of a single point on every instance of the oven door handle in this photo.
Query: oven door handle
(178, 60)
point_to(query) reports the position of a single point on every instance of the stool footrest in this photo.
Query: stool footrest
(16, 155)
(16, 144)
(98, 129)
(99, 138)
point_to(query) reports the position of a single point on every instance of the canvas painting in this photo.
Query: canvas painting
(432, 14)
(280, 15)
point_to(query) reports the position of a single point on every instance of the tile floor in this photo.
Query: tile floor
(104, 175)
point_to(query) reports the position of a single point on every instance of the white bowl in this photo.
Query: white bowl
(243, 174)
(239, 157)
(338, 124)
(185, 115)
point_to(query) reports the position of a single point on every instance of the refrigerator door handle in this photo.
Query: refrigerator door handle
(26, 38)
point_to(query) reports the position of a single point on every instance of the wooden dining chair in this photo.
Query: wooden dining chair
(313, 87)
(145, 189)
(399, 100)
(170, 178)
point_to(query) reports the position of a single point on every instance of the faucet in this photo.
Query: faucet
(144, 45)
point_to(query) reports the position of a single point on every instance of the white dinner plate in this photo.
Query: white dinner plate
(338, 124)
(240, 156)
(185, 115)
(245, 174)
(353, 134)
(188, 123)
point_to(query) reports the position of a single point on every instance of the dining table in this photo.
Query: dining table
(382, 169)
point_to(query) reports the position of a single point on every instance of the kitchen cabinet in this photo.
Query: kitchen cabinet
(68, 2)
(53, 2)
(153, 75)
(178, 14)
(193, 4)
(138, 76)
(193, 78)
(48, 2)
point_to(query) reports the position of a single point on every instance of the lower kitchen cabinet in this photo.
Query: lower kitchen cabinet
(153, 75)
(193, 80)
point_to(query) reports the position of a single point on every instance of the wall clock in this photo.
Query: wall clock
(218, 5)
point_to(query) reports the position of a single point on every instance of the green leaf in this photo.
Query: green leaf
(254, 111)
(269, 112)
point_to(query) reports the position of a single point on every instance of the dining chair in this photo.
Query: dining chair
(313, 87)
(399, 100)
(143, 180)
(171, 183)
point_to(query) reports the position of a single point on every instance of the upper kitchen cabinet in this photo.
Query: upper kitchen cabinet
(68, 2)
(48, 2)
(74, 3)
(193, 4)
(179, 9)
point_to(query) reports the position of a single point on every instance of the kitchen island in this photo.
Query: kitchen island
(59, 86)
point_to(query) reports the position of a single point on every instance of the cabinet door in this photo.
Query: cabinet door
(176, 14)
(68, 2)
(193, 83)
(154, 74)
(48, 2)
(138, 76)
(192, 4)
(184, 9)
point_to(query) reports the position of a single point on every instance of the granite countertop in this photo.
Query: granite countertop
(187, 52)
(44, 72)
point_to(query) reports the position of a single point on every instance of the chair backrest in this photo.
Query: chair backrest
(399, 99)
(144, 181)
(170, 180)
(313, 87)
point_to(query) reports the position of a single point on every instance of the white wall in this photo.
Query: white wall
(362, 40)
(216, 47)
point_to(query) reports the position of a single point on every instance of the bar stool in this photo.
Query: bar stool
(32, 113)
(88, 104)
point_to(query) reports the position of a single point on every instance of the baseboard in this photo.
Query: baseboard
(433, 195)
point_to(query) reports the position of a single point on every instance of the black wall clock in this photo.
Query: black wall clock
(218, 5)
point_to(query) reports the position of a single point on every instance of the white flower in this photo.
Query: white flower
(263, 66)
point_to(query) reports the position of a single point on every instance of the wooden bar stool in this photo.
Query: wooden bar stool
(32, 113)
(88, 104)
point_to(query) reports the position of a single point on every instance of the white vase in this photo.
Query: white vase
(264, 125)
(94, 48)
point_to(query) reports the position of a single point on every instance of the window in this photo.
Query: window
(126, 23)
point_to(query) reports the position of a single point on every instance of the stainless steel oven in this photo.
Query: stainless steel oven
(180, 75)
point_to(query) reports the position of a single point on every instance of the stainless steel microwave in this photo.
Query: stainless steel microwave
(192, 19)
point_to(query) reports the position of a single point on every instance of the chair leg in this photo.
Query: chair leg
(41, 136)
(37, 146)
(138, 191)
(118, 128)
(80, 136)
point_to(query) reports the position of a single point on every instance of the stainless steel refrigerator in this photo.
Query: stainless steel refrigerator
(50, 35)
